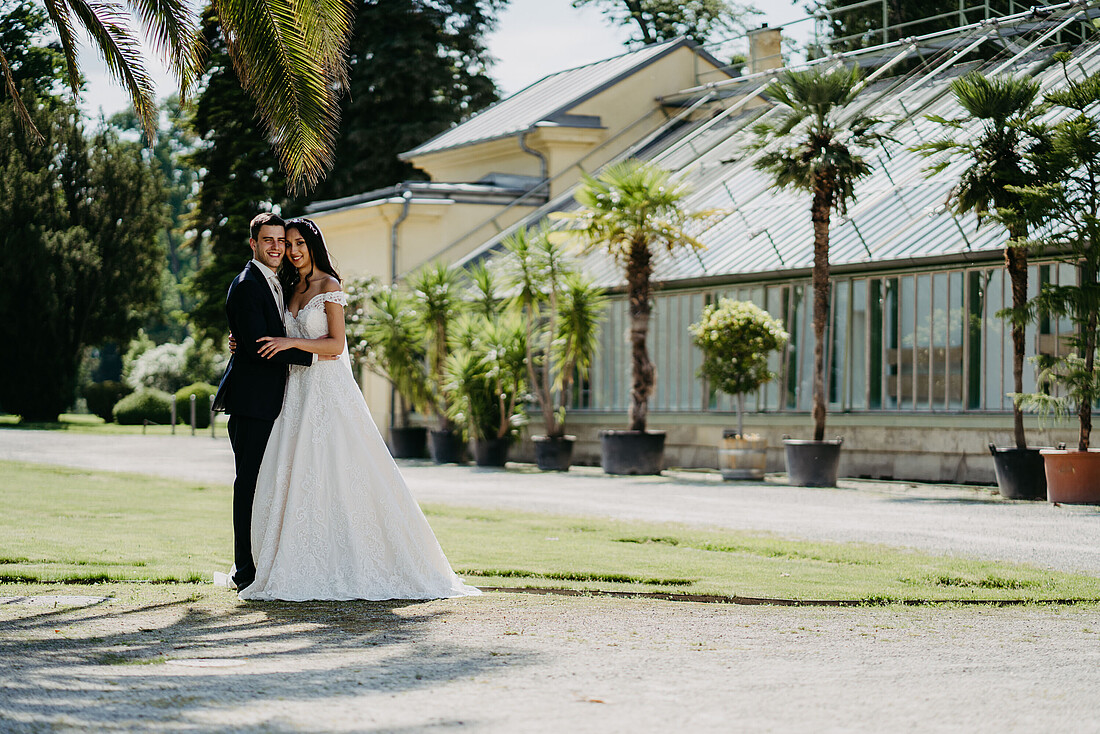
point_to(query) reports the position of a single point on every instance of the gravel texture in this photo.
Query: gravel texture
(504, 663)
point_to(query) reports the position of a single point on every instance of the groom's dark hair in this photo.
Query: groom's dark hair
(261, 219)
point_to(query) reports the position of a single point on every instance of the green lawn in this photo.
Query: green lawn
(84, 423)
(74, 526)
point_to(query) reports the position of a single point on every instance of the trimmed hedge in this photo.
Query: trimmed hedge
(147, 404)
(103, 396)
(202, 392)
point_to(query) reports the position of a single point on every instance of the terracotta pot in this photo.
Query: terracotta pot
(742, 457)
(1073, 477)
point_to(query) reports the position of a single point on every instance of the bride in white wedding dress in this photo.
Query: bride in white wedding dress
(332, 517)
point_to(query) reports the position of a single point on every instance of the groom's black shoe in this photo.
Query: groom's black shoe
(241, 581)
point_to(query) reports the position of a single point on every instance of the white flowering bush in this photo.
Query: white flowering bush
(736, 338)
(169, 367)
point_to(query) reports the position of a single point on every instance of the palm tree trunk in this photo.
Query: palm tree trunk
(638, 272)
(1016, 264)
(820, 213)
(1084, 408)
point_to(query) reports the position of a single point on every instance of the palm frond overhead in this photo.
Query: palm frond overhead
(291, 57)
(21, 112)
(107, 25)
(173, 31)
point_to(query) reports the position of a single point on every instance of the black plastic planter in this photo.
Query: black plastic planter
(554, 453)
(491, 451)
(1020, 473)
(409, 443)
(446, 447)
(632, 452)
(812, 463)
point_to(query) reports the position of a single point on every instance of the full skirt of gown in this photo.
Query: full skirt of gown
(333, 517)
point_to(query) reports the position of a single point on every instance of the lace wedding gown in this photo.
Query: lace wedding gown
(332, 518)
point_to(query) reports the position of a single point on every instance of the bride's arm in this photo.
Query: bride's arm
(332, 344)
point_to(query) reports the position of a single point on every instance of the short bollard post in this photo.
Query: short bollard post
(172, 411)
(212, 434)
(193, 396)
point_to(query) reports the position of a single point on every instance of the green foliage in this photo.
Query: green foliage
(241, 177)
(202, 392)
(859, 25)
(702, 21)
(416, 68)
(437, 290)
(629, 209)
(1065, 207)
(146, 404)
(815, 138)
(736, 338)
(89, 264)
(387, 336)
(170, 366)
(102, 397)
(35, 65)
(561, 311)
(486, 375)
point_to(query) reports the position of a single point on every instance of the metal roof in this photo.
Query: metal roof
(899, 215)
(549, 100)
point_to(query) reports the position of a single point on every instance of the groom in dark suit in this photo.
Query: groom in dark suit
(251, 390)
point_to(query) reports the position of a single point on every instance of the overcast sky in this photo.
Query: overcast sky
(533, 38)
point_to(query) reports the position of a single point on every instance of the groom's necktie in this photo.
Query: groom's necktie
(279, 299)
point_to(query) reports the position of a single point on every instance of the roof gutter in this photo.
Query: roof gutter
(406, 195)
(543, 168)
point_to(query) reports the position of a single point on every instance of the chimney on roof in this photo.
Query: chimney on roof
(765, 49)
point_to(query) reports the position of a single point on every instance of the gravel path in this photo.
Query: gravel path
(956, 520)
(502, 663)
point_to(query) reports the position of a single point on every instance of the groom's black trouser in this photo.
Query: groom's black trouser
(249, 439)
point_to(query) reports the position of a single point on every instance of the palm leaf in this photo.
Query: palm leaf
(291, 57)
(171, 27)
(21, 112)
(107, 25)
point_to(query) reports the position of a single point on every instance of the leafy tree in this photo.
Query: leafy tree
(170, 154)
(662, 20)
(630, 209)
(992, 138)
(1065, 204)
(291, 58)
(736, 338)
(88, 260)
(240, 177)
(33, 65)
(415, 68)
(816, 145)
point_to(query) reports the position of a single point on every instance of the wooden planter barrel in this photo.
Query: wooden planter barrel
(742, 457)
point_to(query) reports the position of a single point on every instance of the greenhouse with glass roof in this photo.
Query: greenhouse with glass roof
(919, 365)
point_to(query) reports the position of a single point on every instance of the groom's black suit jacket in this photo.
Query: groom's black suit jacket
(253, 386)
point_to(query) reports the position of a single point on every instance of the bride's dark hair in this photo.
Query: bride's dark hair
(318, 257)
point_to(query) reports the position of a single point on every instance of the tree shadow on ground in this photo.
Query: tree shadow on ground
(103, 668)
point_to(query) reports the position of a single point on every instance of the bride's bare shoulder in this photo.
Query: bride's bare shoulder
(329, 284)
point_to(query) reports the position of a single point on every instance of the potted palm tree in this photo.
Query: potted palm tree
(736, 338)
(437, 289)
(1067, 204)
(992, 138)
(561, 311)
(817, 145)
(631, 209)
(485, 371)
(389, 335)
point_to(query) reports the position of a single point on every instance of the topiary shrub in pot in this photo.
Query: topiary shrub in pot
(148, 404)
(736, 338)
(202, 392)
